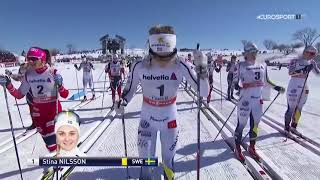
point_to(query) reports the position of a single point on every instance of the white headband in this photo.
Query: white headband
(162, 43)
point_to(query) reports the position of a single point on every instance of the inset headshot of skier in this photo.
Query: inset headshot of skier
(67, 129)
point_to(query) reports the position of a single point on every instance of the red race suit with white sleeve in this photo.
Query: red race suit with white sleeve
(41, 85)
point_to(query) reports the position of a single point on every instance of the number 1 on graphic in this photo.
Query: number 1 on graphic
(161, 89)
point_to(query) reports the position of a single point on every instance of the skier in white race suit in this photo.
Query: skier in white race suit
(87, 78)
(160, 74)
(253, 77)
(298, 70)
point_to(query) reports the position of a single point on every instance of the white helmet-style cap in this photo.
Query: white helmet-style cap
(250, 48)
(162, 41)
(115, 57)
(310, 49)
(67, 118)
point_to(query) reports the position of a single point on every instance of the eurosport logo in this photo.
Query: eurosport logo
(279, 16)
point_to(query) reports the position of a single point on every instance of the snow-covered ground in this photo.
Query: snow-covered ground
(217, 159)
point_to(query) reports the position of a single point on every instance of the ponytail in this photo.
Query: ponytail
(48, 56)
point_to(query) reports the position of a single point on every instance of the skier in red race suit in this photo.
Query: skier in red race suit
(45, 86)
(115, 69)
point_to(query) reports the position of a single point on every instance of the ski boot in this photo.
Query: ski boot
(252, 150)
(293, 128)
(47, 173)
(228, 98)
(84, 99)
(168, 173)
(238, 153)
(209, 98)
(287, 130)
(93, 97)
(113, 103)
(232, 97)
(30, 127)
(238, 93)
(295, 131)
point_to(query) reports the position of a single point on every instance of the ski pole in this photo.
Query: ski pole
(304, 84)
(125, 142)
(92, 81)
(100, 75)
(57, 100)
(262, 114)
(224, 123)
(198, 122)
(77, 82)
(19, 112)
(220, 91)
(104, 89)
(12, 132)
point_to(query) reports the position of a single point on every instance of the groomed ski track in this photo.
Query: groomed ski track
(290, 159)
(294, 160)
(217, 160)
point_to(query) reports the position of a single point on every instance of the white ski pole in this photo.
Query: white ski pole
(77, 82)
(19, 112)
(92, 80)
(104, 89)
(198, 121)
(125, 141)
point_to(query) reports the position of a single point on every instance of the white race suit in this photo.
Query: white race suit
(295, 86)
(87, 76)
(159, 111)
(253, 78)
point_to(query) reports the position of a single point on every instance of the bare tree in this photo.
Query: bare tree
(269, 44)
(285, 49)
(307, 36)
(54, 51)
(244, 42)
(318, 46)
(297, 45)
(71, 48)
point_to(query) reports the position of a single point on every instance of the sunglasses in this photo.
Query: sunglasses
(311, 53)
(32, 59)
(252, 51)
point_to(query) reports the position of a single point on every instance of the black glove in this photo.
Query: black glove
(4, 80)
(307, 68)
(202, 72)
(120, 106)
(75, 65)
(8, 72)
(279, 89)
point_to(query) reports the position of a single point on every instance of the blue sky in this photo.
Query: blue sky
(213, 23)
